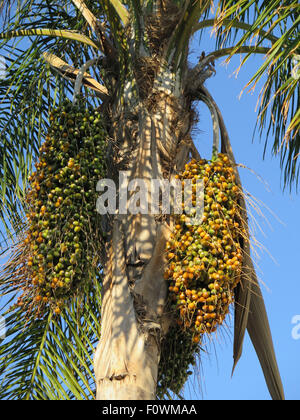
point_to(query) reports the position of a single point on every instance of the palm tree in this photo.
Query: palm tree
(131, 58)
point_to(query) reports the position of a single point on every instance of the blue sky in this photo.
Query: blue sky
(277, 265)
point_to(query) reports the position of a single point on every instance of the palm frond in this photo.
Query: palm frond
(260, 334)
(51, 358)
(70, 73)
(210, 23)
(121, 11)
(277, 22)
(57, 33)
(87, 14)
(223, 52)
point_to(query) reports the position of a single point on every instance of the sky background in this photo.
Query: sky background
(278, 267)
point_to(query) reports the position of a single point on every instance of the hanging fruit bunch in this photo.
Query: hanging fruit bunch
(205, 261)
(178, 354)
(63, 233)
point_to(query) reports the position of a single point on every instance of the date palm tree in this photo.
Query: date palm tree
(131, 59)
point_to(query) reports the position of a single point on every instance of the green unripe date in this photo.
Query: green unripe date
(63, 231)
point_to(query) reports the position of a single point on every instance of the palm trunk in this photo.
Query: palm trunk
(127, 358)
(134, 291)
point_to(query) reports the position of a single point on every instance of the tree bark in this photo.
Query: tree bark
(134, 290)
(127, 358)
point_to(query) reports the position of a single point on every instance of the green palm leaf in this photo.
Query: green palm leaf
(276, 22)
(121, 10)
(57, 33)
(51, 358)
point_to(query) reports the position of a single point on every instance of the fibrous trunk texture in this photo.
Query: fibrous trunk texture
(134, 290)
